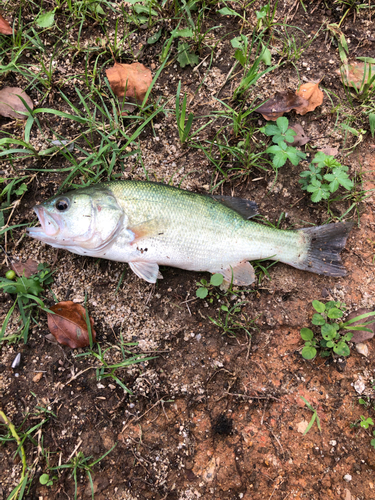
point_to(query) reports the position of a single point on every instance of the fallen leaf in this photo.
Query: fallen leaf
(281, 103)
(301, 138)
(312, 93)
(357, 74)
(25, 268)
(129, 80)
(329, 151)
(11, 105)
(361, 335)
(68, 324)
(5, 27)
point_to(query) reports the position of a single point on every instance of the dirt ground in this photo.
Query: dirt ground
(212, 416)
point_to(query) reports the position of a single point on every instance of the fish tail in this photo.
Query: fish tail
(324, 244)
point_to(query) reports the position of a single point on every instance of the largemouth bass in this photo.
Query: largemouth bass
(149, 224)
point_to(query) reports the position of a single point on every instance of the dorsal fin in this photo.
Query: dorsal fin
(245, 208)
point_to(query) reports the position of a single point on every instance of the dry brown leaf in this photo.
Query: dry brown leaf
(301, 138)
(68, 324)
(11, 105)
(357, 74)
(280, 103)
(361, 335)
(25, 268)
(5, 27)
(312, 93)
(329, 151)
(132, 79)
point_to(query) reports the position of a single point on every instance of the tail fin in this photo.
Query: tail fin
(324, 246)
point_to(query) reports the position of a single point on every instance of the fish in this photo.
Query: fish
(148, 224)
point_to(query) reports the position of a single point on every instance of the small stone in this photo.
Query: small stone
(302, 426)
(59, 144)
(37, 377)
(359, 385)
(17, 361)
(348, 478)
(333, 442)
(362, 348)
(347, 495)
(100, 386)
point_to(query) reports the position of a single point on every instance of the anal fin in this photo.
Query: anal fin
(148, 271)
(241, 274)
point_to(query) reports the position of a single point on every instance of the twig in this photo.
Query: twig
(316, 6)
(141, 416)
(196, 67)
(75, 449)
(277, 439)
(296, 3)
(80, 373)
(294, 204)
(264, 412)
(252, 397)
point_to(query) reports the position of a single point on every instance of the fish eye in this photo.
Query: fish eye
(62, 204)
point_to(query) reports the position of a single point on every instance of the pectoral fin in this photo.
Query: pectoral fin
(146, 229)
(148, 271)
(240, 274)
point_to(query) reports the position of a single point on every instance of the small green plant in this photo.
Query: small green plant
(313, 418)
(183, 128)
(334, 339)
(185, 55)
(266, 16)
(252, 71)
(241, 44)
(107, 370)
(19, 436)
(229, 322)
(281, 135)
(45, 19)
(366, 422)
(365, 402)
(27, 291)
(206, 288)
(47, 480)
(143, 14)
(80, 463)
(324, 177)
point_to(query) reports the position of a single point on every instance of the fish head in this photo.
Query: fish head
(83, 219)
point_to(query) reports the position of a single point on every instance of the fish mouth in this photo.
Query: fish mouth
(48, 228)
